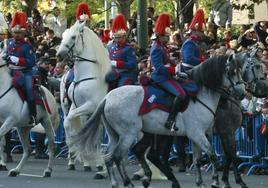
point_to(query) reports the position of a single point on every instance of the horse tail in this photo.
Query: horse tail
(86, 143)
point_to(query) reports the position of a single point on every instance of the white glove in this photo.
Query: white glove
(14, 59)
(114, 63)
(179, 73)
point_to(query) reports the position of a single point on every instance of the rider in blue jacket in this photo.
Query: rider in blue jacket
(122, 55)
(164, 69)
(21, 56)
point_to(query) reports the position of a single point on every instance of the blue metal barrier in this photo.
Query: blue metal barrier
(60, 138)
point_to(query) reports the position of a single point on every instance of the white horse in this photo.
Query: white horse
(119, 110)
(14, 113)
(91, 63)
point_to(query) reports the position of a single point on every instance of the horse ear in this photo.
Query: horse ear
(82, 25)
(230, 60)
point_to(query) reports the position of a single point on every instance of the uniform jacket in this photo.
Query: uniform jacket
(190, 54)
(125, 57)
(163, 67)
(24, 51)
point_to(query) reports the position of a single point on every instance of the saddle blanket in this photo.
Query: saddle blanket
(37, 95)
(155, 98)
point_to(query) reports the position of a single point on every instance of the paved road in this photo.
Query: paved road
(61, 178)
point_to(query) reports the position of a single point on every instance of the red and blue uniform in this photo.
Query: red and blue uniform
(23, 71)
(191, 55)
(164, 70)
(126, 63)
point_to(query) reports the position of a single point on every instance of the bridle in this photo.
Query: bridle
(1, 96)
(249, 66)
(74, 57)
(231, 69)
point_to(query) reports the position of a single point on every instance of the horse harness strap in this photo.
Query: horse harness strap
(201, 102)
(6, 91)
(78, 58)
(1, 66)
(78, 82)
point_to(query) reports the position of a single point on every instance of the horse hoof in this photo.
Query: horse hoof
(71, 167)
(176, 185)
(47, 174)
(146, 183)
(99, 177)
(3, 168)
(136, 177)
(87, 169)
(13, 173)
(215, 186)
(244, 186)
(99, 168)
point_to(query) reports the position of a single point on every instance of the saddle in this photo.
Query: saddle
(156, 97)
(39, 95)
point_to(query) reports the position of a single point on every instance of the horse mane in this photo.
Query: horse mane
(209, 73)
(101, 53)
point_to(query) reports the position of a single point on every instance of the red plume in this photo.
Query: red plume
(106, 36)
(199, 18)
(82, 9)
(119, 23)
(162, 23)
(19, 19)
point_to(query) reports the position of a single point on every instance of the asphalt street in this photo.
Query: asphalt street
(31, 177)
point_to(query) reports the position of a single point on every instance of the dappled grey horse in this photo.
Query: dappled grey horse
(227, 119)
(120, 107)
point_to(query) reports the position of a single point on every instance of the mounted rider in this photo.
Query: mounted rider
(122, 55)
(164, 69)
(191, 50)
(21, 56)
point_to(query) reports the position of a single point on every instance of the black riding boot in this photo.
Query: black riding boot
(171, 124)
(32, 110)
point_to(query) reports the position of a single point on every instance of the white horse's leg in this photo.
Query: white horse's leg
(2, 154)
(125, 143)
(86, 162)
(49, 133)
(72, 125)
(196, 159)
(205, 145)
(6, 126)
(24, 138)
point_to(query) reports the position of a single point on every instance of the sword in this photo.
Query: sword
(44, 102)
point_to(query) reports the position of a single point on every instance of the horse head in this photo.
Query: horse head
(82, 45)
(72, 41)
(220, 74)
(233, 78)
(252, 73)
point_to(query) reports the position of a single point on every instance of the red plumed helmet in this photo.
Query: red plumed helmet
(82, 12)
(198, 19)
(119, 25)
(19, 22)
(162, 24)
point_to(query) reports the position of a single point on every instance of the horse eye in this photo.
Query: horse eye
(73, 37)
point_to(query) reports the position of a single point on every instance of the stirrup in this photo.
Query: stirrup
(171, 125)
(174, 127)
(32, 121)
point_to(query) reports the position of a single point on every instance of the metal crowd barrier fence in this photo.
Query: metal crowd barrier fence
(247, 145)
